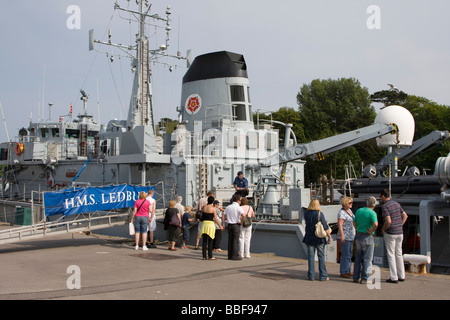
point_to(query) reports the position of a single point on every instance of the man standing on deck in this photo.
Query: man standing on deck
(241, 185)
(394, 218)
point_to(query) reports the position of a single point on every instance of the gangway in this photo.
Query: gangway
(66, 224)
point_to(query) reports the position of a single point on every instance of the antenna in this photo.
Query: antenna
(91, 39)
(43, 94)
(98, 104)
(50, 105)
(6, 128)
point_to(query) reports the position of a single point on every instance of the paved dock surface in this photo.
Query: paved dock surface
(106, 268)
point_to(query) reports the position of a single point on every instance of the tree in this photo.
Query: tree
(167, 125)
(428, 116)
(285, 115)
(330, 107)
(389, 97)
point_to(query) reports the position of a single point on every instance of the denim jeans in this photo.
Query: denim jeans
(346, 256)
(321, 257)
(363, 256)
(140, 224)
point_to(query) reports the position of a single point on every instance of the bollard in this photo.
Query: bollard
(417, 262)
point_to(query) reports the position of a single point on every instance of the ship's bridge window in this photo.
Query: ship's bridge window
(239, 113)
(237, 93)
(44, 132)
(92, 134)
(239, 109)
(55, 132)
(72, 133)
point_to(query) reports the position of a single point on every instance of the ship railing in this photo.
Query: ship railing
(83, 222)
(218, 114)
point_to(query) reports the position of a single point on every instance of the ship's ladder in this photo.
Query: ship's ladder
(83, 140)
(202, 176)
(145, 78)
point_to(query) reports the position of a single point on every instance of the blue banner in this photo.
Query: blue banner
(81, 200)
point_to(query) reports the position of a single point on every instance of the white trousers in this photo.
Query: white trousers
(245, 236)
(393, 245)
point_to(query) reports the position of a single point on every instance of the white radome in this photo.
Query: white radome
(405, 122)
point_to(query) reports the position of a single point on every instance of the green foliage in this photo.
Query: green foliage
(285, 115)
(330, 107)
(428, 116)
(166, 124)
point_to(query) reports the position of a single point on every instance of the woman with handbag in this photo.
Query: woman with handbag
(246, 229)
(316, 243)
(140, 219)
(173, 223)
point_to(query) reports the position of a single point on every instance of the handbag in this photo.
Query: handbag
(199, 215)
(131, 228)
(247, 221)
(320, 231)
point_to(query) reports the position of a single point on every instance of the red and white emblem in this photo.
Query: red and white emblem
(193, 104)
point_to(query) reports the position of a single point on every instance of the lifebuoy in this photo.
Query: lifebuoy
(19, 148)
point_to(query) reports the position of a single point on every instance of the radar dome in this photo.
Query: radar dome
(405, 122)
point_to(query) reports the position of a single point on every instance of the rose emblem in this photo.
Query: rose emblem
(193, 104)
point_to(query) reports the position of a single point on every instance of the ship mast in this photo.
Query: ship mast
(141, 106)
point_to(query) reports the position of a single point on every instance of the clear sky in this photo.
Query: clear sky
(286, 44)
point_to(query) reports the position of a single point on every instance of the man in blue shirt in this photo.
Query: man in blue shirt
(241, 185)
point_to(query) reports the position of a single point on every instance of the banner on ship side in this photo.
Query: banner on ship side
(81, 200)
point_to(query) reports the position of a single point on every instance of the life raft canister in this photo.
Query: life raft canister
(19, 148)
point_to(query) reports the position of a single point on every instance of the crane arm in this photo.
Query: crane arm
(316, 149)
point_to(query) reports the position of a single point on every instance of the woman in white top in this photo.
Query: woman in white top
(346, 235)
(246, 232)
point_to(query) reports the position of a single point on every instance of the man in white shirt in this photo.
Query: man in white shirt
(234, 215)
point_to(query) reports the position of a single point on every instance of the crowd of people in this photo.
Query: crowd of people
(358, 227)
(355, 232)
(209, 215)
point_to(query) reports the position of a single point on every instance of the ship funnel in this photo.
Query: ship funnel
(216, 92)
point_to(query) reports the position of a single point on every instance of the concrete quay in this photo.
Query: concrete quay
(109, 268)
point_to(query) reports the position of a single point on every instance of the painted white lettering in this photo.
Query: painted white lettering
(69, 202)
(103, 199)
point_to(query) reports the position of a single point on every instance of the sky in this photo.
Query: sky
(44, 56)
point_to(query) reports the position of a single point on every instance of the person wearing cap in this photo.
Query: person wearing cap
(365, 223)
(240, 184)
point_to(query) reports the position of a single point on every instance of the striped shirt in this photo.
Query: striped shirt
(394, 210)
